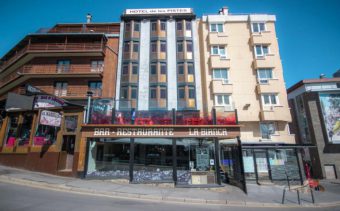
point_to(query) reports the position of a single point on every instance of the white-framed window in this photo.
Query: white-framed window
(216, 27)
(264, 75)
(218, 50)
(222, 100)
(261, 50)
(258, 27)
(267, 129)
(270, 99)
(60, 89)
(221, 74)
(63, 66)
(97, 66)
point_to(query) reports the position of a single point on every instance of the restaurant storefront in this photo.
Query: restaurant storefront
(180, 154)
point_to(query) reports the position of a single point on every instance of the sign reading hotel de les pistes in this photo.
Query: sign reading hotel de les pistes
(158, 11)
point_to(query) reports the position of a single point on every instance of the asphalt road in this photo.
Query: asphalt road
(16, 197)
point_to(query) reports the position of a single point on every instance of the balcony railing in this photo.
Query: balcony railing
(55, 69)
(103, 112)
(53, 47)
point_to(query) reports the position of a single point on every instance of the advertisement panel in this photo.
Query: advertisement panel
(50, 118)
(330, 105)
(101, 111)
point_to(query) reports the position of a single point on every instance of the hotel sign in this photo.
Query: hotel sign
(158, 11)
(117, 131)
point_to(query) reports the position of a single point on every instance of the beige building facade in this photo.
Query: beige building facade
(241, 69)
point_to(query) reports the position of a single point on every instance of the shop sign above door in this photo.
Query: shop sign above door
(152, 132)
(48, 101)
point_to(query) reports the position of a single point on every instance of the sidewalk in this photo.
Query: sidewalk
(258, 196)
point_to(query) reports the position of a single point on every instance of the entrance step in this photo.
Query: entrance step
(65, 173)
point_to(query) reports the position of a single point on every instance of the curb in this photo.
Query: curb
(85, 191)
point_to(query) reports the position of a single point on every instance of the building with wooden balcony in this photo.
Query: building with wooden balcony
(62, 64)
(241, 69)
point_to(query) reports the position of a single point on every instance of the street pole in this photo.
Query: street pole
(89, 95)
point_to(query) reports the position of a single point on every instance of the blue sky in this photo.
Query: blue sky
(308, 30)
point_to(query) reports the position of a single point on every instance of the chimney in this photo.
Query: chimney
(322, 76)
(88, 18)
(224, 10)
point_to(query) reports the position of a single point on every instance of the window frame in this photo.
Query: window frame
(224, 80)
(270, 95)
(216, 100)
(268, 137)
(263, 54)
(214, 27)
(219, 47)
(258, 27)
(264, 80)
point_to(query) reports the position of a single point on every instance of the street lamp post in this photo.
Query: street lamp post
(89, 95)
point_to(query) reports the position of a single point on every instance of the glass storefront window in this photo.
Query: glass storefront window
(152, 160)
(45, 135)
(12, 130)
(109, 158)
(24, 136)
(248, 163)
(195, 162)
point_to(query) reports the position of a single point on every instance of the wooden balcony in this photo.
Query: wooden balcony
(75, 70)
(54, 49)
(72, 92)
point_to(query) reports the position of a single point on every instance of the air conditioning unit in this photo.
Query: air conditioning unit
(263, 81)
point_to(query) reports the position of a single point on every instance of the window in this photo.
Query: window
(179, 46)
(163, 26)
(24, 135)
(267, 129)
(216, 27)
(163, 46)
(154, 26)
(96, 88)
(153, 93)
(70, 123)
(269, 99)
(192, 93)
(124, 93)
(258, 27)
(134, 69)
(218, 50)
(12, 130)
(63, 66)
(45, 135)
(189, 46)
(163, 68)
(179, 26)
(127, 26)
(126, 69)
(220, 74)
(264, 75)
(222, 100)
(133, 93)
(153, 69)
(190, 68)
(97, 66)
(163, 93)
(181, 93)
(136, 27)
(60, 89)
(135, 47)
(153, 46)
(261, 50)
(188, 25)
(180, 69)
(126, 47)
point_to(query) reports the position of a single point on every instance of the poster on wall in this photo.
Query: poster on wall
(330, 105)
(50, 118)
(101, 111)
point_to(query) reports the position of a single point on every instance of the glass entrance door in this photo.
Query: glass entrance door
(262, 165)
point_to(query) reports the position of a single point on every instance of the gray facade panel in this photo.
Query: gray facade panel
(172, 69)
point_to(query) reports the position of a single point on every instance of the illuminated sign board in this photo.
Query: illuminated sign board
(158, 11)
